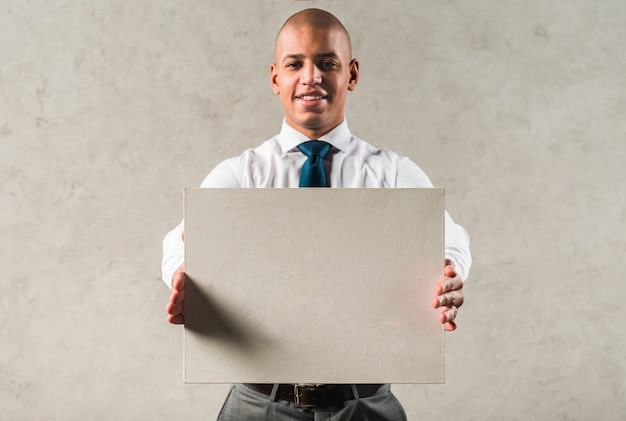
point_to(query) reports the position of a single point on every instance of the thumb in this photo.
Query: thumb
(449, 270)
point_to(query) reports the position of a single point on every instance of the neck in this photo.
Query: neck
(314, 134)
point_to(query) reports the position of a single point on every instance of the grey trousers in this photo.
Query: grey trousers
(245, 404)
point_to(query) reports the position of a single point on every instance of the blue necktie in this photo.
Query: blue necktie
(313, 174)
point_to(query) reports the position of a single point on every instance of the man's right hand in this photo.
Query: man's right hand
(176, 307)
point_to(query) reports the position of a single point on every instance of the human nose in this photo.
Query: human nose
(311, 75)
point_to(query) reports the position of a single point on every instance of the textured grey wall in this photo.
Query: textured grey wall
(108, 109)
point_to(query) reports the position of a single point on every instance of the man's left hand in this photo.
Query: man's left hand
(449, 296)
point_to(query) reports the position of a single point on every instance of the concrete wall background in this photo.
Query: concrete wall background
(109, 109)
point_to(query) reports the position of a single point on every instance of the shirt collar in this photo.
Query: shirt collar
(289, 138)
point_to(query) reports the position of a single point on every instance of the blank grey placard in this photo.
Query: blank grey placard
(313, 285)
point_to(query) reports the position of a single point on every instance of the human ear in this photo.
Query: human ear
(354, 74)
(274, 78)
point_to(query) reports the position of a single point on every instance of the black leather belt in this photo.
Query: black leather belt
(310, 396)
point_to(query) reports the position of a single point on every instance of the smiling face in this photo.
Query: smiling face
(313, 73)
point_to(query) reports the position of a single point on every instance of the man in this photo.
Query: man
(312, 74)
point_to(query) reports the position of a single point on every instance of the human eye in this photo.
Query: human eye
(329, 64)
(293, 65)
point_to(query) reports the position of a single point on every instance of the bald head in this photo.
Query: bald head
(314, 18)
(313, 71)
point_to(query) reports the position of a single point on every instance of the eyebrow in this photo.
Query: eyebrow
(302, 56)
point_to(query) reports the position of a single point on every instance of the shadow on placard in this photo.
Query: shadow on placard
(206, 317)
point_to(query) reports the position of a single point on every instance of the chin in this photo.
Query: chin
(310, 123)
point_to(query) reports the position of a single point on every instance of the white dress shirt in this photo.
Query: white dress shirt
(351, 162)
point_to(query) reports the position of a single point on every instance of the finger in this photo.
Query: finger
(448, 315)
(176, 303)
(178, 319)
(450, 299)
(450, 326)
(449, 271)
(177, 297)
(182, 235)
(178, 283)
(449, 284)
(178, 279)
(175, 308)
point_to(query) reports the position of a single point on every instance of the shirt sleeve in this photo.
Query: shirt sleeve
(173, 253)
(457, 247)
(223, 175)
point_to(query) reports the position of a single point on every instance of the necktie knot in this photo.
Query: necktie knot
(313, 174)
(314, 148)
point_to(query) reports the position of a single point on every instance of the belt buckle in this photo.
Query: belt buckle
(318, 398)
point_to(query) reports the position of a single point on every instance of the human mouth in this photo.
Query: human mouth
(311, 97)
